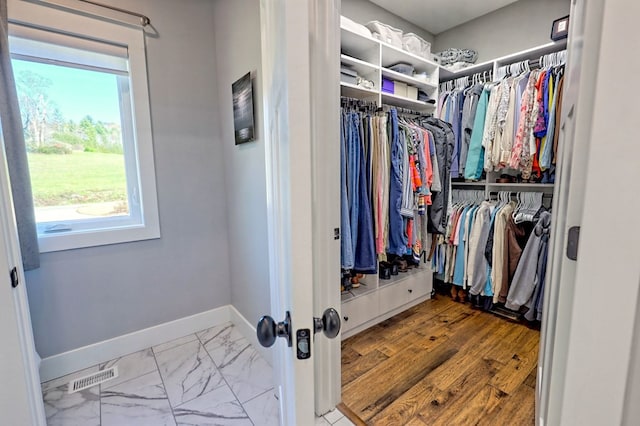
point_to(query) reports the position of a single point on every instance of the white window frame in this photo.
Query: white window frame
(118, 229)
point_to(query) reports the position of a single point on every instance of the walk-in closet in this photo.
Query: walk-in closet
(450, 129)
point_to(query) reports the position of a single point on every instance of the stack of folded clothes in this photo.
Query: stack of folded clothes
(454, 59)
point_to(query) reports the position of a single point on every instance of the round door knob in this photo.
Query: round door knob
(331, 322)
(266, 331)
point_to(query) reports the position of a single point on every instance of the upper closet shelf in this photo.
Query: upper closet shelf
(392, 55)
(359, 46)
(533, 53)
(446, 75)
(362, 67)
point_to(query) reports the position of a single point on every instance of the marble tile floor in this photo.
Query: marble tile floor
(213, 377)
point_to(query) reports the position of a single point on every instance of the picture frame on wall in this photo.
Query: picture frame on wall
(243, 123)
(560, 28)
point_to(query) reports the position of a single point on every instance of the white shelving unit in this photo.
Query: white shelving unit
(372, 58)
(376, 300)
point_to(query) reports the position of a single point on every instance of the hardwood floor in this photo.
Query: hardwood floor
(442, 363)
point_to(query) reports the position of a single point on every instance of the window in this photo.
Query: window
(84, 103)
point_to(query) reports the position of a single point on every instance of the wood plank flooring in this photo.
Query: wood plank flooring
(442, 363)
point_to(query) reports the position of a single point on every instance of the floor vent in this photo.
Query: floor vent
(93, 379)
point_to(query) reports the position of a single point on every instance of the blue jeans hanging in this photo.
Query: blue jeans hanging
(365, 252)
(346, 243)
(397, 236)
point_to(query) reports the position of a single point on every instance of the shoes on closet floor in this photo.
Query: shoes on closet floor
(385, 270)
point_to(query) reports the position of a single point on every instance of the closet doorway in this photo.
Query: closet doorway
(445, 323)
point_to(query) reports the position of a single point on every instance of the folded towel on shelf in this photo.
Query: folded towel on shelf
(452, 55)
(424, 97)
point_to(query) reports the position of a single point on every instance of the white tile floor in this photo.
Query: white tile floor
(213, 377)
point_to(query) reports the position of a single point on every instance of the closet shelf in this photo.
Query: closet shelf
(402, 276)
(363, 68)
(544, 187)
(391, 55)
(479, 183)
(360, 46)
(345, 296)
(533, 53)
(445, 74)
(400, 101)
(420, 84)
(353, 91)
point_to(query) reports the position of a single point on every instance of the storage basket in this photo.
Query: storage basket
(412, 93)
(354, 26)
(386, 33)
(400, 89)
(387, 85)
(416, 45)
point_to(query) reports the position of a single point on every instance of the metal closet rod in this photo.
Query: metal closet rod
(144, 20)
(74, 6)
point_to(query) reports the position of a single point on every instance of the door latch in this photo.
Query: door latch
(15, 280)
(573, 239)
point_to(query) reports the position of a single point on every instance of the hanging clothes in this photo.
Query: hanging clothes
(530, 268)
(512, 124)
(357, 245)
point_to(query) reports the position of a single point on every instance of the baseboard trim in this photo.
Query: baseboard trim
(78, 359)
(248, 331)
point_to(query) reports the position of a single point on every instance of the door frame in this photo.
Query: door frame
(21, 386)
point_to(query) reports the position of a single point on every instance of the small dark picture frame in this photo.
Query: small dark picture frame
(560, 28)
(243, 125)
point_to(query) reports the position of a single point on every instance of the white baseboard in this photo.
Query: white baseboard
(248, 331)
(88, 356)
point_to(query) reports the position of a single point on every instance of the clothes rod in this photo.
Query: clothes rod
(144, 20)
(94, 7)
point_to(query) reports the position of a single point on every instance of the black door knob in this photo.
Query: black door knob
(329, 324)
(268, 329)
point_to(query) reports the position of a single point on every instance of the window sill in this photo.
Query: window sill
(93, 238)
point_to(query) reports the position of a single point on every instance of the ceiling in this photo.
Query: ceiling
(437, 16)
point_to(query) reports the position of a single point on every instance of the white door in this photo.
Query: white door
(587, 348)
(20, 395)
(301, 97)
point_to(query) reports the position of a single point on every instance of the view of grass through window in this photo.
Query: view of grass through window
(72, 129)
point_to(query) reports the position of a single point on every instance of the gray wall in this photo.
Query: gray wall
(363, 11)
(521, 25)
(238, 52)
(85, 296)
